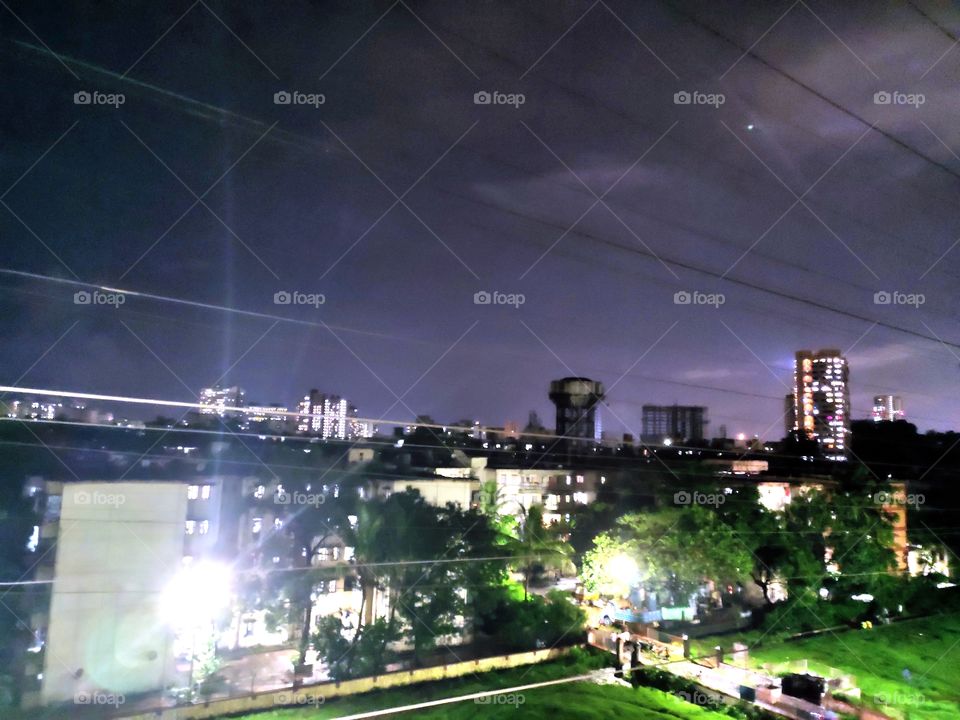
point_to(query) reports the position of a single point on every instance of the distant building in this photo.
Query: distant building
(271, 417)
(331, 417)
(358, 428)
(822, 400)
(789, 414)
(576, 400)
(219, 400)
(677, 423)
(887, 407)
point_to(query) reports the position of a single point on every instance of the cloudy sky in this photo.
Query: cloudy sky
(815, 165)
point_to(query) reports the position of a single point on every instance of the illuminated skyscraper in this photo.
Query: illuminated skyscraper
(822, 400)
(218, 400)
(887, 407)
(330, 416)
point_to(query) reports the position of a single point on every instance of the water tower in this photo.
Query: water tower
(576, 399)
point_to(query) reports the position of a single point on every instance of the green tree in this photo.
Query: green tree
(535, 546)
(675, 550)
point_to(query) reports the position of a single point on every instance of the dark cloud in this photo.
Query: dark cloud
(307, 205)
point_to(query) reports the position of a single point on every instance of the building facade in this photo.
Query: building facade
(822, 400)
(219, 400)
(887, 408)
(677, 423)
(331, 417)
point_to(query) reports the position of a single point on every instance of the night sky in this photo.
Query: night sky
(597, 199)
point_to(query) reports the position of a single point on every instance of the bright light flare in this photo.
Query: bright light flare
(623, 567)
(197, 594)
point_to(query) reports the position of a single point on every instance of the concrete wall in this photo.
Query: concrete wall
(314, 695)
(119, 546)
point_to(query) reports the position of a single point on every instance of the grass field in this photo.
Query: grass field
(929, 648)
(559, 702)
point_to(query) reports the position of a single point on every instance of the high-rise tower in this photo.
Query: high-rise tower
(822, 400)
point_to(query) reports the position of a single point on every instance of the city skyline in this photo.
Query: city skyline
(294, 229)
(446, 359)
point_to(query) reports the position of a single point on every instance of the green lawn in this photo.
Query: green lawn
(558, 702)
(928, 647)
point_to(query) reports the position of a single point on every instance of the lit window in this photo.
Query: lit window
(348, 553)
(204, 527)
(257, 525)
(336, 553)
(193, 492)
(205, 492)
(332, 586)
(324, 554)
(190, 527)
(277, 523)
(259, 492)
(579, 479)
(569, 480)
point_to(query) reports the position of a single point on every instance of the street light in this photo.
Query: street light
(196, 594)
(623, 567)
(193, 599)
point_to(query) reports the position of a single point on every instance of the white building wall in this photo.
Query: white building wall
(120, 545)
